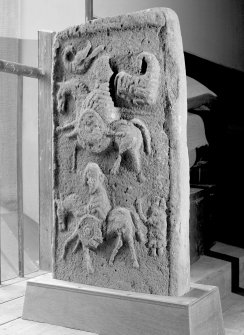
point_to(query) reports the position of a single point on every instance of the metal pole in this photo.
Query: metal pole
(20, 69)
(20, 177)
(20, 168)
(45, 42)
(89, 10)
(0, 243)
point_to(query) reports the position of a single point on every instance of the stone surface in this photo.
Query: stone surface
(120, 164)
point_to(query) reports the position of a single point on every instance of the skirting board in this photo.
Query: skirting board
(113, 312)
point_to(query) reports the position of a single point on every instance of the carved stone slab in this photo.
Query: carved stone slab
(120, 165)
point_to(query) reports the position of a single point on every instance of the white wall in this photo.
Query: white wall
(54, 15)
(8, 104)
(211, 29)
(9, 17)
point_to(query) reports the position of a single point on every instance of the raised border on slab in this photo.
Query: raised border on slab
(179, 260)
(45, 41)
(115, 312)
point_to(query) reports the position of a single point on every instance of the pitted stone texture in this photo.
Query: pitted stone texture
(119, 105)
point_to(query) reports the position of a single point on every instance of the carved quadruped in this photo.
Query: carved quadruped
(98, 124)
(122, 225)
(129, 137)
(88, 233)
(65, 207)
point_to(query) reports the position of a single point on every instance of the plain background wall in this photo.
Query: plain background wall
(53, 15)
(211, 29)
(8, 104)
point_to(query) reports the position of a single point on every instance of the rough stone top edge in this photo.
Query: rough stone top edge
(154, 17)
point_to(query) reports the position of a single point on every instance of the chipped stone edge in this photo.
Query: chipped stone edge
(179, 248)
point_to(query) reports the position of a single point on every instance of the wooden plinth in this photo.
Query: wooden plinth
(113, 312)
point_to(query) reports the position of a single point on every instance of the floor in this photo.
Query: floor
(12, 298)
(11, 304)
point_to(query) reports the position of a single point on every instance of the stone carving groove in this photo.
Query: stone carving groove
(118, 152)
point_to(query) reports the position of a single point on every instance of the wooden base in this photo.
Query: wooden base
(113, 312)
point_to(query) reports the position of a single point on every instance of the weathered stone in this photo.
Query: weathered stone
(121, 188)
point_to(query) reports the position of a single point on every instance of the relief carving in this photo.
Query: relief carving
(141, 89)
(66, 207)
(98, 125)
(68, 90)
(97, 221)
(123, 224)
(88, 233)
(116, 137)
(130, 136)
(90, 220)
(98, 205)
(79, 62)
(156, 221)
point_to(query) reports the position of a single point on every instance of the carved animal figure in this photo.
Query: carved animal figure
(95, 135)
(91, 125)
(140, 89)
(65, 207)
(129, 136)
(69, 89)
(98, 124)
(79, 62)
(96, 220)
(157, 225)
(124, 225)
(88, 233)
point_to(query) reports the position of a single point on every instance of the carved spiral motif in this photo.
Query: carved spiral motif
(92, 130)
(89, 230)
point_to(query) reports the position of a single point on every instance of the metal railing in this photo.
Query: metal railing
(43, 74)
